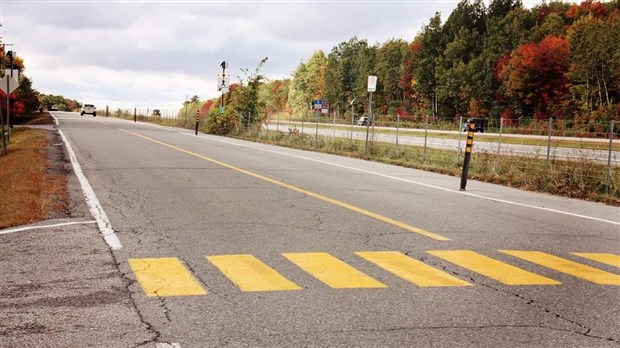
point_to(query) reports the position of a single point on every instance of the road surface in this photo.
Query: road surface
(227, 243)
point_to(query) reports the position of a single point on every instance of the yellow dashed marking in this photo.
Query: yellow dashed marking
(332, 271)
(411, 270)
(251, 274)
(494, 269)
(609, 259)
(165, 277)
(569, 267)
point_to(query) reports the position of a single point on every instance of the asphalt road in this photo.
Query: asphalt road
(480, 145)
(227, 243)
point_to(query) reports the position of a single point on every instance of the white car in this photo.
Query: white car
(363, 121)
(89, 109)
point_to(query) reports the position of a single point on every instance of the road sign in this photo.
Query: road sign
(320, 106)
(222, 82)
(372, 83)
(13, 84)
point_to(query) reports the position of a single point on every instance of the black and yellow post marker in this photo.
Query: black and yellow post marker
(470, 143)
(197, 120)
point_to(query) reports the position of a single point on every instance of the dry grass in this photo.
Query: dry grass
(30, 190)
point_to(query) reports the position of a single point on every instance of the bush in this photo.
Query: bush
(220, 123)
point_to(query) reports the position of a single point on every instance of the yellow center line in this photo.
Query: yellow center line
(297, 189)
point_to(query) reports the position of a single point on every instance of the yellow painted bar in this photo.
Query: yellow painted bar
(494, 269)
(165, 277)
(569, 267)
(251, 274)
(411, 270)
(332, 271)
(609, 259)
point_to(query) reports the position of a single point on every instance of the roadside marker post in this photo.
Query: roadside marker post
(135, 115)
(197, 120)
(470, 144)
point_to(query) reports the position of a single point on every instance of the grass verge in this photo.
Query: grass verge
(31, 189)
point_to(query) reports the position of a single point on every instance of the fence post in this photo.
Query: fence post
(397, 129)
(316, 132)
(499, 142)
(549, 143)
(458, 147)
(608, 176)
(425, 137)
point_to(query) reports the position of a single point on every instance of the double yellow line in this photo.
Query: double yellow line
(300, 190)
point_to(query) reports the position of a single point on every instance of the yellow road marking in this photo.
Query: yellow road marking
(308, 193)
(250, 274)
(411, 270)
(569, 267)
(332, 271)
(610, 259)
(165, 277)
(492, 268)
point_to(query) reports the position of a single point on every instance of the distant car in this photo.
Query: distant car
(53, 108)
(480, 124)
(363, 121)
(89, 109)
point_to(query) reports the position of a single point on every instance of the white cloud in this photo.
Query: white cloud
(154, 53)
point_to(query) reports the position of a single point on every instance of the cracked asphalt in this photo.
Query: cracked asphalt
(163, 202)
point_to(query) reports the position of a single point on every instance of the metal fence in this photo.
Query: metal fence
(586, 151)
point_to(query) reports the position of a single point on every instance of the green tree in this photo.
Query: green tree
(298, 97)
(595, 61)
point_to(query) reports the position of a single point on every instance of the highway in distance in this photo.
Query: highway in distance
(228, 243)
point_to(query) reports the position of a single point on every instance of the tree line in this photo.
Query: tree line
(555, 60)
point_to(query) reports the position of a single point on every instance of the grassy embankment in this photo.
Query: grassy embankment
(30, 189)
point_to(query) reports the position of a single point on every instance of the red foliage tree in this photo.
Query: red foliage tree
(536, 75)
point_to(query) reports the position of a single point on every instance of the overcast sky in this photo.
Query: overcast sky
(154, 53)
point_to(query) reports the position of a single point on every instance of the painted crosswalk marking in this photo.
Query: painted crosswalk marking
(610, 259)
(251, 274)
(165, 277)
(494, 269)
(332, 271)
(161, 277)
(569, 267)
(411, 270)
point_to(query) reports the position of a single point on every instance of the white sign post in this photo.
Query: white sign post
(372, 83)
(223, 82)
(372, 87)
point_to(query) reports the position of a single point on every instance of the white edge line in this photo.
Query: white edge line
(55, 119)
(418, 183)
(21, 229)
(105, 228)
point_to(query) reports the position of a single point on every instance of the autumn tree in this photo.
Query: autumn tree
(536, 74)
